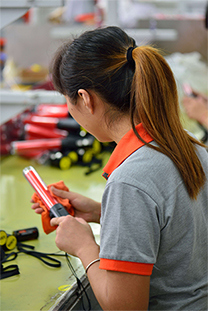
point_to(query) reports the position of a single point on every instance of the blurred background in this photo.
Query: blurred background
(36, 128)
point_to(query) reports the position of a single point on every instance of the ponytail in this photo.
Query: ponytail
(154, 101)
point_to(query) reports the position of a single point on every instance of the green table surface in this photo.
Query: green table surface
(38, 287)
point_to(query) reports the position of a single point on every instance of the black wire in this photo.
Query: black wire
(13, 255)
(40, 256)
(79, 284)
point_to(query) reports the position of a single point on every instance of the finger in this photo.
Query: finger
(195, 93)
(57, 220)
(61, 193)
(39, 210)
(64, 194)
(203, 99)
(186, 100)
(32, 201)
(35, 205)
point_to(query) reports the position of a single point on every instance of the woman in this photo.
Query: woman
(152, 253)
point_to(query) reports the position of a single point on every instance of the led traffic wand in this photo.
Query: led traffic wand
(56, 209)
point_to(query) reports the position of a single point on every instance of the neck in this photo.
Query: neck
(119, 129)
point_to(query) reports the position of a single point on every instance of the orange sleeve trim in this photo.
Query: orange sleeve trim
(126, 266)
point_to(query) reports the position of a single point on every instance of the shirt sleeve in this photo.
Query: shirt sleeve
(130, 231)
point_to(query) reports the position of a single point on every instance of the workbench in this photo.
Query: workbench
(38, 286)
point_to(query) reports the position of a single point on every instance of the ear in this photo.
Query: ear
(87, 100)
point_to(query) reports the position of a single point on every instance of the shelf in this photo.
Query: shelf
(14, 102)
(166, 2)
(11, 10)
(139, 34)
(178, 17)
(64, 32)
(147, 35)
(30, 97)
(30, 3)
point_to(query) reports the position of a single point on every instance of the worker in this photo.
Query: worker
(153, 215)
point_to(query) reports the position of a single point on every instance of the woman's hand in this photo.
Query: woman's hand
(197, 108)
(73, 235)
(84, 207)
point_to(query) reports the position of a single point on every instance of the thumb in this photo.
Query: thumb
(60, 193)
(57, 220)
(64, 194)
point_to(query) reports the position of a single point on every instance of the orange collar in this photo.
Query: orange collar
(126, 146)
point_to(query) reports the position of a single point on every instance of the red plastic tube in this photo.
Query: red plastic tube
(50, 122)
(4, 149)
(68, 124)
(47, 110)
(40, 187)
(42, 132)
(58, 114)
(37, 144)
(70, 142)
(56, 209)
(53, 108)
(33, 154)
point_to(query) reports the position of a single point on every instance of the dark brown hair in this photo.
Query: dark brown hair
(145, 89)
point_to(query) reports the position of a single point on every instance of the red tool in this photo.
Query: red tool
(19, 147)
(71, 142)
(56, 209)
(51, 122)
(42, 132)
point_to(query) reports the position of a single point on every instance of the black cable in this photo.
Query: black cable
(79, 284)
(8, 271)
(44, 257)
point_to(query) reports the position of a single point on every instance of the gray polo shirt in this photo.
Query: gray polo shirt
(148, 217)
